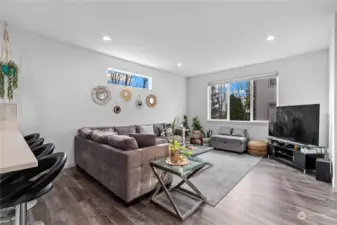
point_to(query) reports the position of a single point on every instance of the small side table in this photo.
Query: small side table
(185, 173)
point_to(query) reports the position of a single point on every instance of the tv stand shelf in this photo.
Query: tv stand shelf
(289, 153)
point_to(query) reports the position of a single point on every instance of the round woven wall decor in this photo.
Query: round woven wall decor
(126, 94)
(151, 100)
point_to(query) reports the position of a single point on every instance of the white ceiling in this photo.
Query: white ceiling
(204, 37)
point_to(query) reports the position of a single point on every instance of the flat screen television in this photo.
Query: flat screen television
(298, 123)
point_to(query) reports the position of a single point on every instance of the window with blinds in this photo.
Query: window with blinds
(248, 99)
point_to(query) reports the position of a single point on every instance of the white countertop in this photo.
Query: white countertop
(15, 153)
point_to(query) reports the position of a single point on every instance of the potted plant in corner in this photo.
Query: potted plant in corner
(197, 132)
(177, 152)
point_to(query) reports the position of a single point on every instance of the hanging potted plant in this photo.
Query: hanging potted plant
(8, 69)
(177, 153)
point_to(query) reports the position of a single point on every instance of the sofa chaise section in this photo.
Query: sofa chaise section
(126, 173)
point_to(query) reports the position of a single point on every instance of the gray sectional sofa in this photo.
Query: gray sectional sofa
(117, 161)
(230, 139)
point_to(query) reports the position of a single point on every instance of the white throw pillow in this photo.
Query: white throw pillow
(146, 129)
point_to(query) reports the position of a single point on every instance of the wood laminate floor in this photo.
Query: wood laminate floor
(271, 193)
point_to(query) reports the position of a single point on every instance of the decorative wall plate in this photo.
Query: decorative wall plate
(101, 95)
(126, 94)
(117, 109)
(151, 100)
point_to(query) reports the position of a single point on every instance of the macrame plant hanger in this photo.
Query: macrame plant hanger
(8, 69)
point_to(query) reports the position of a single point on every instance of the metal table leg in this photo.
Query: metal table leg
(197, 195)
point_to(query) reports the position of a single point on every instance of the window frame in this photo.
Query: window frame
(130, 73)
(272, 85)
(250, 79)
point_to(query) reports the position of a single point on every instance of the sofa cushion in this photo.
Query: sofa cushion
(122, 142)
(144, 140)
(161, 140)
(111, 129)
(101, 136)
(169, 132)
(226, 130)
(125, 130)
(158, 129)
(239, 132)
(146, 129)
(85, 132)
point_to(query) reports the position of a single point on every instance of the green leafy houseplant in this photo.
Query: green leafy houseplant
(196, 125)
(177, 152)
(10, 70)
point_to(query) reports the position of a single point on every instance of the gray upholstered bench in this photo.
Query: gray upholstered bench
(230, 139)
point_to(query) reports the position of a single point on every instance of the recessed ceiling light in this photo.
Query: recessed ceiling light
(179, 64)
(270, 38)
(106, 38)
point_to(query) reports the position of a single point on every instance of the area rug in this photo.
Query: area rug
(228, 170)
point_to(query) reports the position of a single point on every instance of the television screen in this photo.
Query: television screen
(295, 123)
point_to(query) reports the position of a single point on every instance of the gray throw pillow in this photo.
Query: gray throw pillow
(226, 130)
(169, 132)
(239, 132)
(107, 129)
(158, 129)
(146, 129)
(85, 132)
(144, 140)
(122, 142)
(101, 136)
(125, 130)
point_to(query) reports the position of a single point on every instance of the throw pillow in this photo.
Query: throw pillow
(125, 130)
(146, 129)
(226, 130)
(144, 140)
(107, 129)
(158, 129)
(169, 132)
(85, 132)
(101, 136)
(122, 142)
(239, 132)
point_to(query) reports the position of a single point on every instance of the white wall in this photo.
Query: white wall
(302, 80)
(55, 90)
(332, 98)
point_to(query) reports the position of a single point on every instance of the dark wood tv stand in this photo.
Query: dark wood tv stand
(289, 153)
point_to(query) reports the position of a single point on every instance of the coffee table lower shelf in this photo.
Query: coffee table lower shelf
(184, 201)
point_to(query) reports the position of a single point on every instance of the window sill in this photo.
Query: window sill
(256, 122)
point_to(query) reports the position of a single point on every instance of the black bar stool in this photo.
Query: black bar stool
(43, 150)
(29, 184)
(31, 137)
(9, 214)
(36, 143)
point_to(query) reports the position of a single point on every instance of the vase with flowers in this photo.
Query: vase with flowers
(178, 153)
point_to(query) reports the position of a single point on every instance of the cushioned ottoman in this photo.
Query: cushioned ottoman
(257, 148)
(229, 143)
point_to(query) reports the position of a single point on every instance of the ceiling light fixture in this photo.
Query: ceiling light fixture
(270, 38)
(179, 64)
(106, 38)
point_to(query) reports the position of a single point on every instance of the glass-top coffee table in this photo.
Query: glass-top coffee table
(189, 201)
(200, 149)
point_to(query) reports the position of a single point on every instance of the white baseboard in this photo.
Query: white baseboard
(69, 165)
